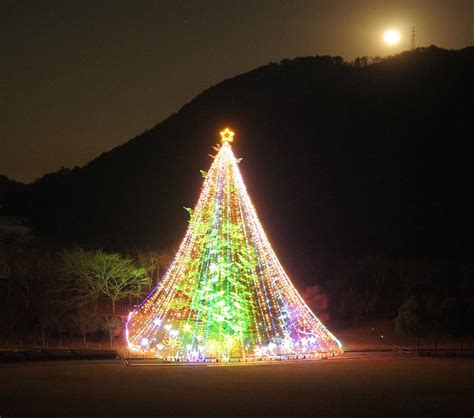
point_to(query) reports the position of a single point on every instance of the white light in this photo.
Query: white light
(392, 36)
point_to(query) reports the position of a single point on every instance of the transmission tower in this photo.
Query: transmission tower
(413, 38)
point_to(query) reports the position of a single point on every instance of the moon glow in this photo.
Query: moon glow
(392, 36)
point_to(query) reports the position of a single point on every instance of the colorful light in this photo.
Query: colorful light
(226, 294)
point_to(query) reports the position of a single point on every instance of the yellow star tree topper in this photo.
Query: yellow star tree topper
(227, 135)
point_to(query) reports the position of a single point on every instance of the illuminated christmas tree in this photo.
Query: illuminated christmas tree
(225, 294)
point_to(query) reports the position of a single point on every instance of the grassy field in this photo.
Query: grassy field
(393, 387)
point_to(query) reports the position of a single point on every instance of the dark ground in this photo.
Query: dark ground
(393, 387)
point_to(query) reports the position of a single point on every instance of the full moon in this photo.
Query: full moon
(392, 36)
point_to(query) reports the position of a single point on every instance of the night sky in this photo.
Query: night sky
(80, 77)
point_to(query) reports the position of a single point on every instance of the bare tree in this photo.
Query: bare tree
(118, 278)
(112, 325)
(86, 321)
(155, 262)
(60, 321)
(78, 278)
(90, 274)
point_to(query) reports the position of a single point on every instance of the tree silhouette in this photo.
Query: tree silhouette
(90, 274)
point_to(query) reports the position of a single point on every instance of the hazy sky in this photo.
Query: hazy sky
(80, 77)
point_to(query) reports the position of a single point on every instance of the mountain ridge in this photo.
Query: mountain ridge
(321, 140)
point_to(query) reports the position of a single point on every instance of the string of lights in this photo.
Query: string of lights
(226, 294)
